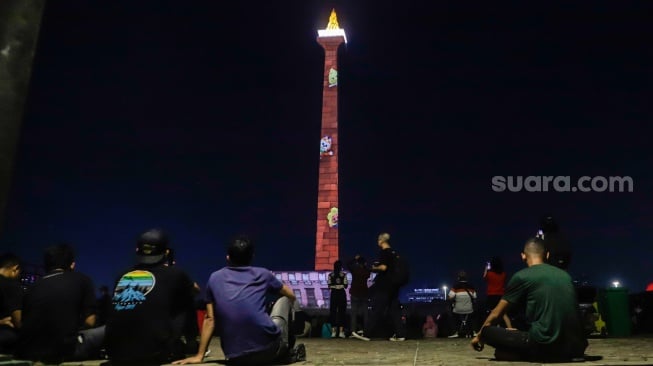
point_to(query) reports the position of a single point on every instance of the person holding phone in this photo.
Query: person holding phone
(495, 278)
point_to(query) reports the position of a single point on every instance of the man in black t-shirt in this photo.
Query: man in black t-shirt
(556, 243)
(11, 301)
(384, 294)
(150, 302)
(59, 313)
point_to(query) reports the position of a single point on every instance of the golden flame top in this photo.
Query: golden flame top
(333, 20)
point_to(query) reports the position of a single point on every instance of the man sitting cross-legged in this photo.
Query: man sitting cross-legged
(235, 300)
(556, 333)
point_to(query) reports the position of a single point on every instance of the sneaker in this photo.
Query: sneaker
(359, 336)
(394, 338)
(298, 354)
(342, 335)
(455, 335)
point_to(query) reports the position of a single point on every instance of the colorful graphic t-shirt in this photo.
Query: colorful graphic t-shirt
(238, 295)
(145, 303)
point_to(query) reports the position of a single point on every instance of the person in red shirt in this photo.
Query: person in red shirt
(495, 277)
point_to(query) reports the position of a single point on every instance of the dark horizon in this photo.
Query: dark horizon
(204, 120)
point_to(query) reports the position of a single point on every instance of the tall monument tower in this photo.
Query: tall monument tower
(326, 241)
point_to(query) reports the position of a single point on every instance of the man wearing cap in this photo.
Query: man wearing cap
(148, 307)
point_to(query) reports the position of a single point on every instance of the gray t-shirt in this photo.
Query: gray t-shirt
(461, 300)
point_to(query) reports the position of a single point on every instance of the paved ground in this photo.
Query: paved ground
(440, 351)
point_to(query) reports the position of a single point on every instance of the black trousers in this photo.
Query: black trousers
(515, 345)
(338, 308)
(385, 301)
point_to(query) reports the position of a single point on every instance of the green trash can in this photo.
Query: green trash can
(615, 310)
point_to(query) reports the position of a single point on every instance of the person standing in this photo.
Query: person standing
(11, 301)
(495, 277)
(463, 296)
(385, 293)
(358, 293)
(337, 283)
(555, 242)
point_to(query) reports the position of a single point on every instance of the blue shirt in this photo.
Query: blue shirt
(238, 295)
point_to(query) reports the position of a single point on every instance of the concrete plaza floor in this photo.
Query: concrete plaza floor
(444, 351)
(637, 350)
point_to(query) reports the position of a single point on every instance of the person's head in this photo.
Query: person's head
(59, 257)
(9, 265)
(462, 276)
(534, 251)
(496, 265)
(360, 260)
(548, 224)
(152, 247)
(240, 252)
(337, 266)
(383, 240)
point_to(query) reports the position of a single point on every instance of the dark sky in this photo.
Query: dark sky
(203, 118)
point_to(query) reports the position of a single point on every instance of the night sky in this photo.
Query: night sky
(203, 118)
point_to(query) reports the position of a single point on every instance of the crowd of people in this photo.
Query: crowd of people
(150, 316)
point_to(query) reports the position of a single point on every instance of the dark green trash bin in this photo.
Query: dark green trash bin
(615, 310)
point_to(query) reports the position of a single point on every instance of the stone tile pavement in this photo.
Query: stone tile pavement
(439, 351)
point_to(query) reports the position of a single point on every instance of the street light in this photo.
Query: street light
(445, 292)
(616, 283)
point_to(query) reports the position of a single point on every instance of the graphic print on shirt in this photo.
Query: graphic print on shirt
(132, 289)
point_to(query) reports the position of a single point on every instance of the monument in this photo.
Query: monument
(326, 237)
(310, 287)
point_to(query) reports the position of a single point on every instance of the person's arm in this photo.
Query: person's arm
(485, 272)
(7, 321)
(89, 322)
(205, 338)
(16, 318)
(287, 292)
(495, 315)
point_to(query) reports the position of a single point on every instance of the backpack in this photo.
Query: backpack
(326, 330)
(401, 271)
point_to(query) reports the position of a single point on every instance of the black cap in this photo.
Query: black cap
(151, 247)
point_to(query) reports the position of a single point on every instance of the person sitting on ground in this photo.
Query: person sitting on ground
(11, 301)
(430, 328)
(463, 295)
(338, 301)
(235, 304)
(150, 302)
(556, 332)
(59, 312)
(495, 277)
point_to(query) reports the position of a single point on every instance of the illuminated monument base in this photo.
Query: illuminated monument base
(311, 288)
